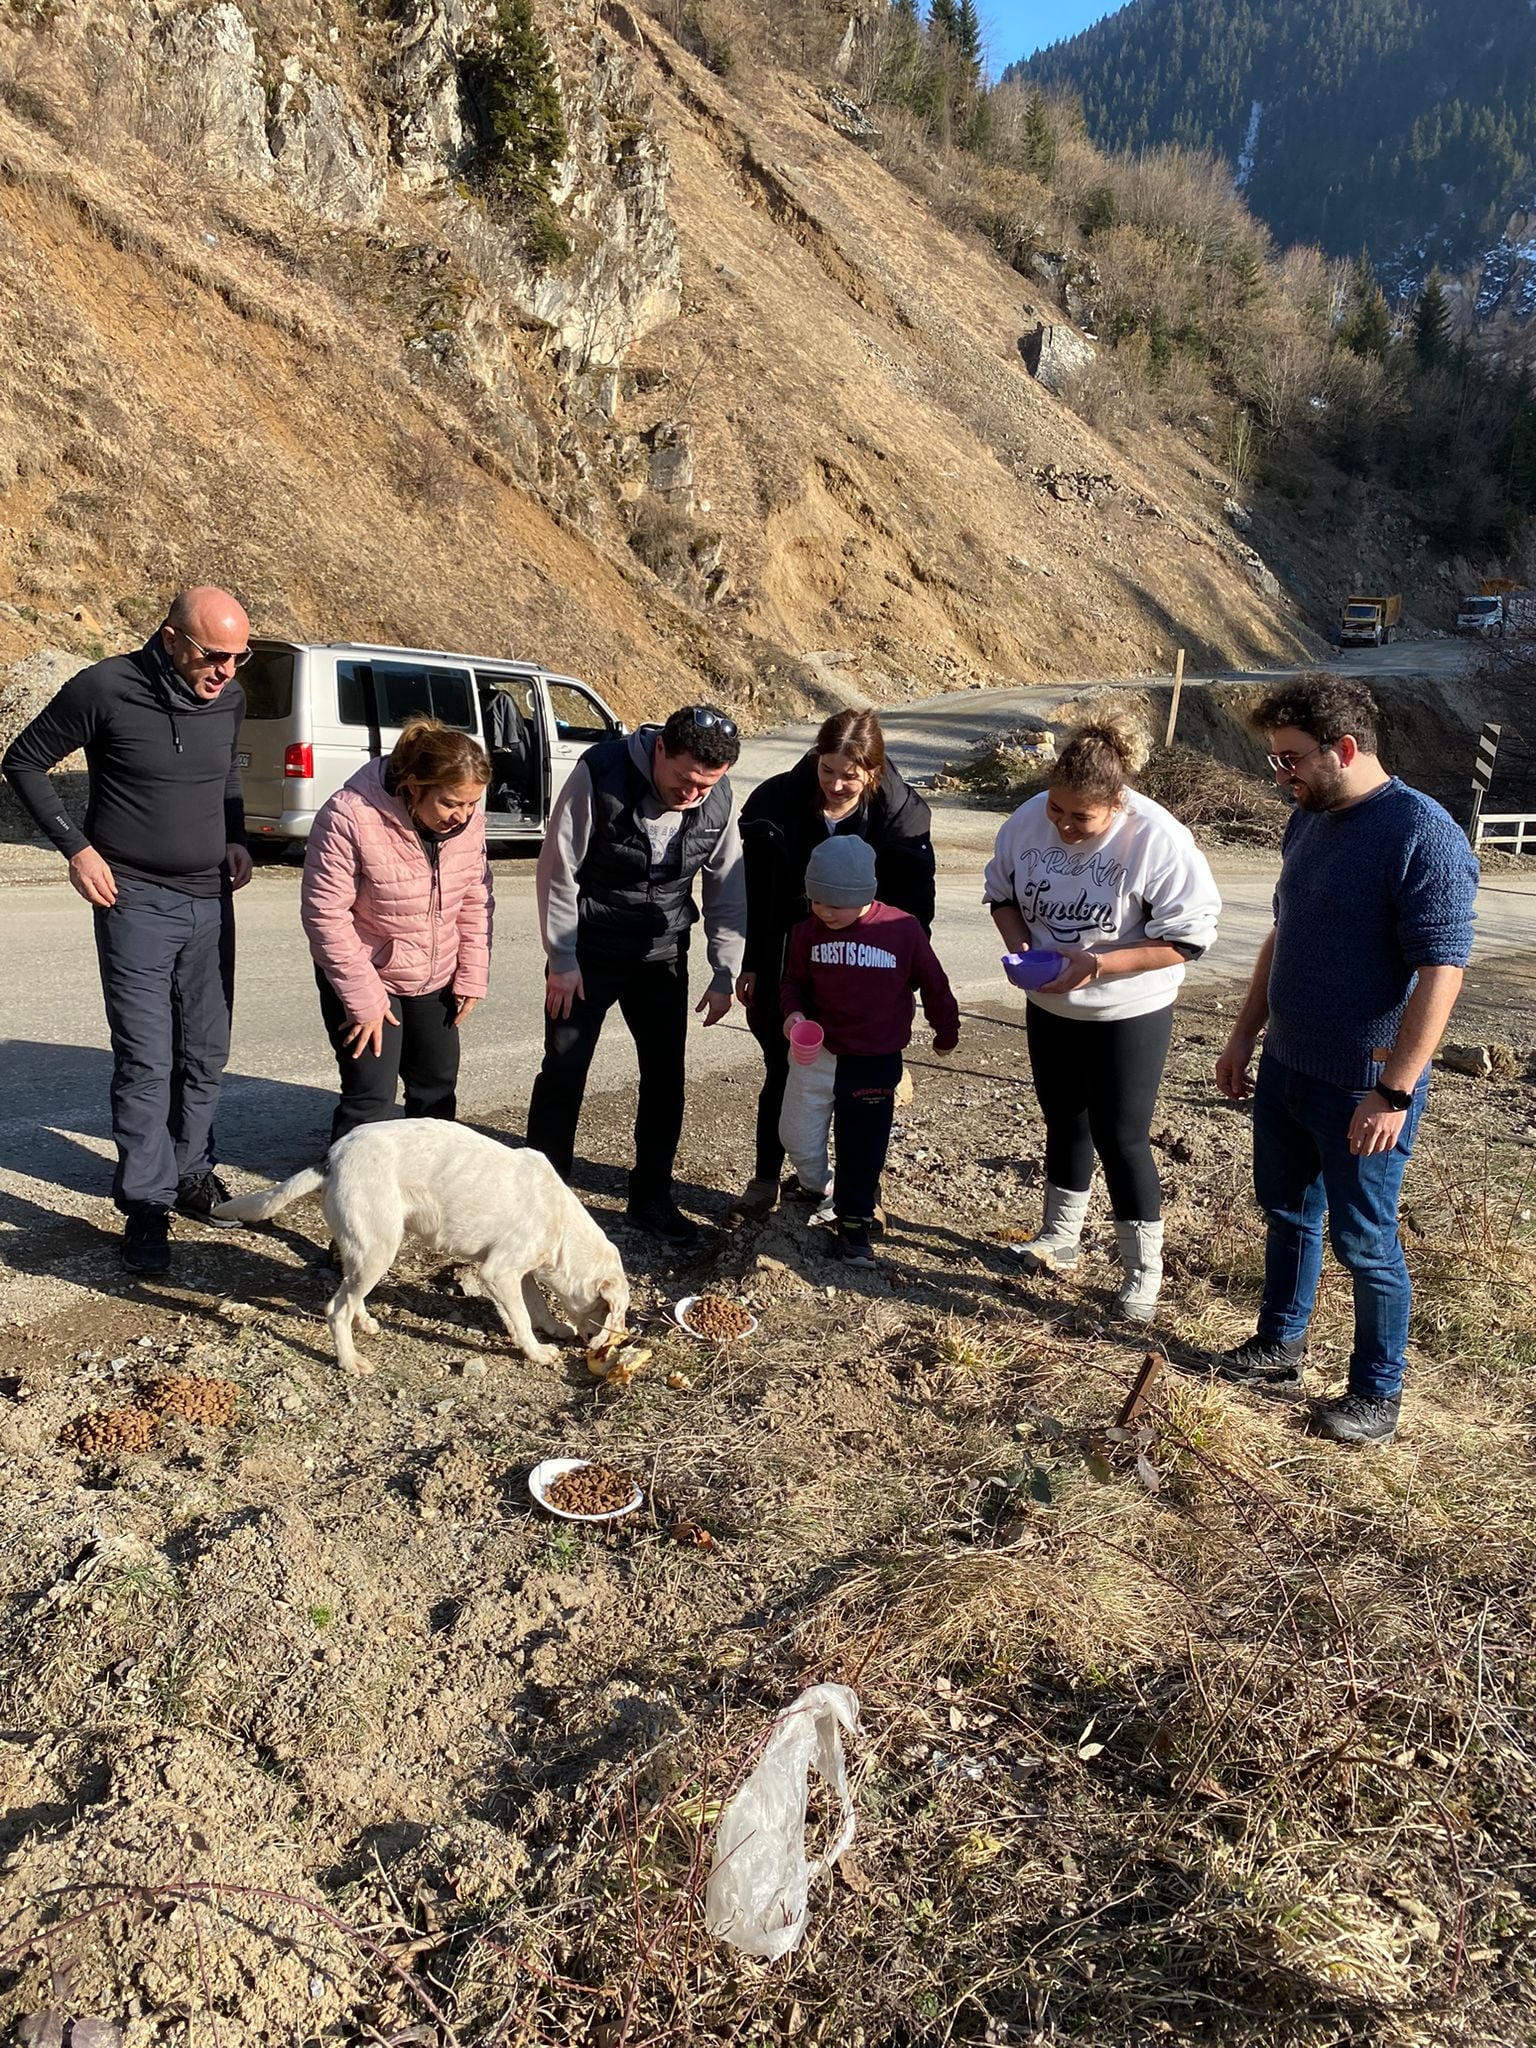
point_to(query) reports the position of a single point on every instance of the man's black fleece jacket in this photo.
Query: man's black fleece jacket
(164, 789)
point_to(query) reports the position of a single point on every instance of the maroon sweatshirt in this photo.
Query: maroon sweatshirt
(857, 983)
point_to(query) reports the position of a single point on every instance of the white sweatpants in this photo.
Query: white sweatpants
(805, 1122)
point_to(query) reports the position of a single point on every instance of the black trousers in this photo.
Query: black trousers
(863, 1105)
(1097, 1083)
(167, 969)
(652, 996)
(766, 1023)
(422, 1050)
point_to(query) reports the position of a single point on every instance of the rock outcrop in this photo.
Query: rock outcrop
(1056, 357)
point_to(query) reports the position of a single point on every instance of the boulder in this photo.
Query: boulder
(1056, 356)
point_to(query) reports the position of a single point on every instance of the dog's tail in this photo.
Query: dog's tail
(267, 1202)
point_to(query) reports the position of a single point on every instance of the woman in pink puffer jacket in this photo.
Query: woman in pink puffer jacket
(396, 906)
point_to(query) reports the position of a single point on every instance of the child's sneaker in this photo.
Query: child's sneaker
(852, 1244)
(823, 1213)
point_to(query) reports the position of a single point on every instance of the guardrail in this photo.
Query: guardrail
(1507, 831)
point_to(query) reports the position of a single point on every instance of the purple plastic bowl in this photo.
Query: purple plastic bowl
(1033, 969)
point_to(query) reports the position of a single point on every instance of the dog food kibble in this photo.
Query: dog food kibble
(591, 1490)
(193, 1398)
(712, 1316)
(109, 1432)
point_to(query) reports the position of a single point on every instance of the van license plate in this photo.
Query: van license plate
(242, 760)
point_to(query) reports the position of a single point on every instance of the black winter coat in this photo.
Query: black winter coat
(782, 825)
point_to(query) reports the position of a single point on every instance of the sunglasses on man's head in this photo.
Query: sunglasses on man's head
(704, 717)
(218, 656)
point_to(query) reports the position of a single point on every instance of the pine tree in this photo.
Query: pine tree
(967, 37)
(1039, 139)
(1366, 329)
(1432, 327)
(512, 84)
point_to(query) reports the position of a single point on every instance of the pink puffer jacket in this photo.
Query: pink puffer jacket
(379, 921)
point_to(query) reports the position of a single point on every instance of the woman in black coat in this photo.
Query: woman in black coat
(844, 784)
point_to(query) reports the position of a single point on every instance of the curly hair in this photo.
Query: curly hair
(430, 755)
(1100, 758)
(1325, 708)
(856, 734)
(706, 732)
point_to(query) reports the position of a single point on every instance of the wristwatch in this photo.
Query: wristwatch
(1395, 1098)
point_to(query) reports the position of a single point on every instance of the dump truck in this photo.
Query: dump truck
(1370, 621)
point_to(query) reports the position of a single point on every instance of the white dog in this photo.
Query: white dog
(506, 1213)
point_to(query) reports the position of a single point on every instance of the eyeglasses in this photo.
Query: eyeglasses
(1282, 764)
(218, 656)
(704, 717)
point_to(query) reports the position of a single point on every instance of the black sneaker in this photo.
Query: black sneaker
(1274, 1368)
(146, 1241)
(196, 1196)
(1356, 1419)
(662, 1218)
(795, 1190)
(852, 1245)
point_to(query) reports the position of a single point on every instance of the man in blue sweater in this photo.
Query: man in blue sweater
(1352, 991)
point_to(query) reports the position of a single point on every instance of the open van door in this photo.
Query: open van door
(577, 718)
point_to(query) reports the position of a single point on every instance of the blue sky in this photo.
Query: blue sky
(1017, 28)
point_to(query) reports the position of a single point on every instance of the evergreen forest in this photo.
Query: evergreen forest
(1404, 127)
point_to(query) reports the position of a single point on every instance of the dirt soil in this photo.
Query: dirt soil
(319, 1731)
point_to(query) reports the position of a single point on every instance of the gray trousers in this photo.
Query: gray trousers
(166, 974)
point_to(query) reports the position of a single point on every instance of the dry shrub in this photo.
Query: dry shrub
(662, 537)
(1216, 802)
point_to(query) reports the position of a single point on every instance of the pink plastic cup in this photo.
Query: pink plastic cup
(805, 1041)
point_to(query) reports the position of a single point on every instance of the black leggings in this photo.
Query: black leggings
(422, 1050)
(1096, 1083)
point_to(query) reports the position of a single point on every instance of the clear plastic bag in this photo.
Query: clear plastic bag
(760, 1877)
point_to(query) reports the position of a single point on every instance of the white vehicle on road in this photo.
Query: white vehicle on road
(316, 712)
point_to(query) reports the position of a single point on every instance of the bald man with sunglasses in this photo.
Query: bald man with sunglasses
(160, 850)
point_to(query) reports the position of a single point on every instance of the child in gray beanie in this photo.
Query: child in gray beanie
(851, 969)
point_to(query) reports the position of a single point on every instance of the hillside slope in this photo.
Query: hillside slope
(769, 408)
(1408, 130)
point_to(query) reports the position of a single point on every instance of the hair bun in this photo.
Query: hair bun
(1122, 732)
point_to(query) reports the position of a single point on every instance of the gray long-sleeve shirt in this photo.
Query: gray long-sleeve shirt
(569, 834)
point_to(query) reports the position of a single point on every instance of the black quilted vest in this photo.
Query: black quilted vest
(628, 910)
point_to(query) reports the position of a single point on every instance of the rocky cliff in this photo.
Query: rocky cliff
(766, 430)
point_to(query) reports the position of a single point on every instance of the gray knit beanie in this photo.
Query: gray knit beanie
(841, 872)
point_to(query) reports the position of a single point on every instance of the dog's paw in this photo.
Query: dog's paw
(543, 1354)
(358, 1368)
(364, 1322)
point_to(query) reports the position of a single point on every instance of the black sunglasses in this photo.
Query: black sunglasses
(218, 657)
(704, 717)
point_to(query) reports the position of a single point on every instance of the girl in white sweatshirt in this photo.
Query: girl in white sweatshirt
(1093, 870)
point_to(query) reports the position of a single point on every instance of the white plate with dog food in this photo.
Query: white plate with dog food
(714, 1318)
(584, 1490)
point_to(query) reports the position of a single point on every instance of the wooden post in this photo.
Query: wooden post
(1151, 1366)
(1178, 687)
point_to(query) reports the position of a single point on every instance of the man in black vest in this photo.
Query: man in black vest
(162, 846)
(638, 819)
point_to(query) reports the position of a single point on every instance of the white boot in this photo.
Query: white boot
(1053, 1248)
(1141, 1254)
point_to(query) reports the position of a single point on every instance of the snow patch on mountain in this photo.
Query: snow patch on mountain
(1245, 156)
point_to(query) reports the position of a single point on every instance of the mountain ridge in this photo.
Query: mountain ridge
(1406, 128)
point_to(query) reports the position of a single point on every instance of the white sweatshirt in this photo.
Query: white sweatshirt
(1142, 882)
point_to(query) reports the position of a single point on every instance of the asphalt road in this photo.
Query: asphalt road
(54, 1143)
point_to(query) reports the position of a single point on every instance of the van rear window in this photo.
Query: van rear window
(267, 680)
(404, 689)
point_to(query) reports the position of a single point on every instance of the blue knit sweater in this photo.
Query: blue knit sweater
(1366, 896)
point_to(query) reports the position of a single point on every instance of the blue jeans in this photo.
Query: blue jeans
(1302, 1168)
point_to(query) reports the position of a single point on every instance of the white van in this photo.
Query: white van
(316, 713)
